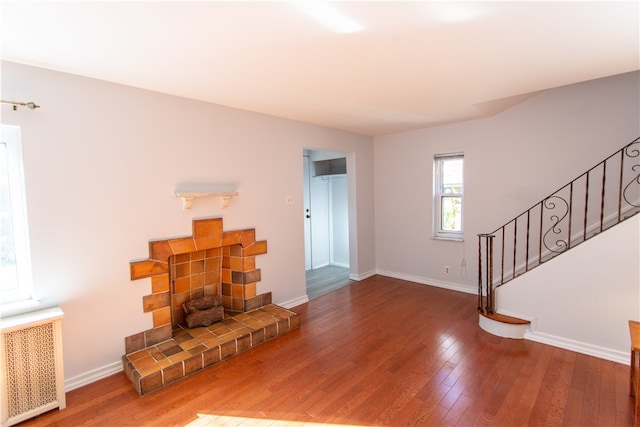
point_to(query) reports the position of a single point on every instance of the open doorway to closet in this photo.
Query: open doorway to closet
(326, 223)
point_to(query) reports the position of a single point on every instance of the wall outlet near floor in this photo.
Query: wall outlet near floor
(447, 269)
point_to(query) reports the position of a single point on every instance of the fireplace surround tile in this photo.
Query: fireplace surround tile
(209, 262)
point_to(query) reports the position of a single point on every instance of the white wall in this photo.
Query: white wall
(339, 224)
(101, 163)
(512, 161)
(584, 298)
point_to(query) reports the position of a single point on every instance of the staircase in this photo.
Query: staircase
(600, 198)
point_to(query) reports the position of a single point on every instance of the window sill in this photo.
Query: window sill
(450, 239)
(18, 307)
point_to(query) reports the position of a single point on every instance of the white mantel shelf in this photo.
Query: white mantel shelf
(187, 197)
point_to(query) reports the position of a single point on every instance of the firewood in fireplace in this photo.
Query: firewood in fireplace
(203, 311)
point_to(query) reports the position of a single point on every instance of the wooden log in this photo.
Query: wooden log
(203, 311)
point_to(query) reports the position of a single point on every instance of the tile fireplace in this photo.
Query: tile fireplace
(211, 262)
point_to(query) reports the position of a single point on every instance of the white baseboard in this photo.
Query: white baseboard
(92, 376)
(339, 264)
(427, 281)
(294, 302)
(362, 276)
(579, 347)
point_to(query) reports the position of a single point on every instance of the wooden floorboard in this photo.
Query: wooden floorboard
(380, 351)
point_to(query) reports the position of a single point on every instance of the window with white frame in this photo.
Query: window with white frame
(15, 260)
(448, 194)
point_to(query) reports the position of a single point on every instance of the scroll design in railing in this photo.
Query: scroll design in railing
(555, 203)
(600, 198)
(630, 151)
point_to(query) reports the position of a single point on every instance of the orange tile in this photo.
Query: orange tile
(182, 284)
(212, 264)
(235, 250)
(249, 263)
(226, 289)
(226, 262)
(226, 302)
(179, 356)
(138, 355)
(212, 278)
(213, 253)
(258, 248)
(183, 245)
(148, 268)
(225, 275)
(236, 291)
(180, 258)
(197, 255)
(181, 298)
(231, 237)
(160, 283)
(249, 290)
(161, 316)
(160, 250)
(197, 266)
(178, 315)
(197, 280)
(181, 270)
(248, 237)
(235, 263)
(156, 301)
(207, 233)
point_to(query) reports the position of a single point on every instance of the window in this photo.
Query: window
(448, 196)
(15, 262)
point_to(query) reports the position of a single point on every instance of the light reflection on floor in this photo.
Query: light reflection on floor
(206, 420)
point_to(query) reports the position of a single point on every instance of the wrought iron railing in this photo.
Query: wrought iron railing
(600, 198)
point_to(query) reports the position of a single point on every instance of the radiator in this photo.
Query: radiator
(32, 372)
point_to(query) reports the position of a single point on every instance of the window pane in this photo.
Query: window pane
(451, 213)
(8, 267)
(452, 176)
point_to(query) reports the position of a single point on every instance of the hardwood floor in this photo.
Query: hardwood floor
(378, 352)
(327, 279)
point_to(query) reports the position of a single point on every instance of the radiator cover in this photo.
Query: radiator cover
(32, 371)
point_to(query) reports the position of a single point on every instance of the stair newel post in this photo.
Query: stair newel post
(490, 293)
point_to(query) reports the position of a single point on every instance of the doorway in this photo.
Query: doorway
(326, 221)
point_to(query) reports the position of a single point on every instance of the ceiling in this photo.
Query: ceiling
(373, 68)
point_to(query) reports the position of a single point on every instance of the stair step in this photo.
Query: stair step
(506, 319)
(504, 326)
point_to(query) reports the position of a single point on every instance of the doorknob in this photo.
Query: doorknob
(308, 215)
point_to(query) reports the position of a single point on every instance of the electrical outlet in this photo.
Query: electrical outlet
(289, 200)
(447, 269)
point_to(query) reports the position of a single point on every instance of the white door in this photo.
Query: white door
(307, 214)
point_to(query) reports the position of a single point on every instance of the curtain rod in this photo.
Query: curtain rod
(29, 105)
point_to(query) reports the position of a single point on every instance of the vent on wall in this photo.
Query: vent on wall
(330, 167)
(32, 371)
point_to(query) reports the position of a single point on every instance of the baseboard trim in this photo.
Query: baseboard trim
(427, 281)
(92, 376)
(295, 302)
(579, 347)
(362, 276)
